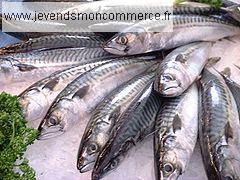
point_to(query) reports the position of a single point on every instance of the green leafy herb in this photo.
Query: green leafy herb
(14, 139)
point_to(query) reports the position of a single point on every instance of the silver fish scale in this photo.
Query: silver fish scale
(190, 21)
(141, 122)
(59, 55)
(105, 106)
(89, 76)
(66, 74)
(168, 111)
(220, 113)
(215, 113)
(54, 41)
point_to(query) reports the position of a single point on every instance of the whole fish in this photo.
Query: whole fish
(134, 125)
(21, 66)
(86, 91)
(53, 42)
(219, 129)
(142, 37)
(181, 68)
(106, 115)
(37, 98)
(176, 134)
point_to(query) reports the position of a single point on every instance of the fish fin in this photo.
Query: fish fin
(181, 58)
(228, 131)
(115, 114)
(230, 39)
(25, 67)
(177, 123)
(226, 72)
(51, 84)
(82, 92)
(237, 66)
(212, 61)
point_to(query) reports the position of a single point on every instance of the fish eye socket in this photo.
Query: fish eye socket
(93, 147)
(168, 168)
(53, 121)
(114, 163)
(228, 178)
(122, 40)
(169, 77)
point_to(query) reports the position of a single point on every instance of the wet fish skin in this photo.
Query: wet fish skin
(54, 41)
(86, 91)
(181, 68)
(218, 128)
(15, 71)
(176, 134)
(16, 67)
(37, 98)
(140, 38)
(106, 115)
(131, 128)
(235, 89)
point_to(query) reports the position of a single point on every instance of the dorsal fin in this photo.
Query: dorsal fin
(51, 84)
(177, 123)
(115, 114)
(82, 91)
(180, 58)
(226, 72)
(228, 131)
(212, 61)
(25, 67)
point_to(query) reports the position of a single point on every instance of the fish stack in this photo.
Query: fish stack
(163, 85)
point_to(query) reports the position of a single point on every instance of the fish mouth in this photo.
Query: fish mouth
(86, 167)
(46, 132)
(96, 176)
(113, 50)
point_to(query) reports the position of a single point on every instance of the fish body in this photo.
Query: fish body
(142, 37)
(235, 89)
(53, 42)
(176, 134)
(37, 98)
(181, 68)
(20, 66)
(218, 128)
(106, 115)
(134, 126)
(86, 91)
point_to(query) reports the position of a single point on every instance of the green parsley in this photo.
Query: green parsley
(15, 136)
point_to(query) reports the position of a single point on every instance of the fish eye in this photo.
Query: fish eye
(123, 40)
(93, 147)
(228, 178)
(114, 163)
(53, 121)
(169, 77)
(168, 168)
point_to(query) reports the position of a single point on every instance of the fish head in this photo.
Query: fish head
(231, 169)
(33, 103)
(87, 155)
(171, 166)
(128, 43)
(93, 140)
(60, 118)
(171, 82)
(110, 157)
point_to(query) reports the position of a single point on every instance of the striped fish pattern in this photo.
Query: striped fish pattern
(87, 90)
(133, 126)
(106, 115)
(218, 128)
